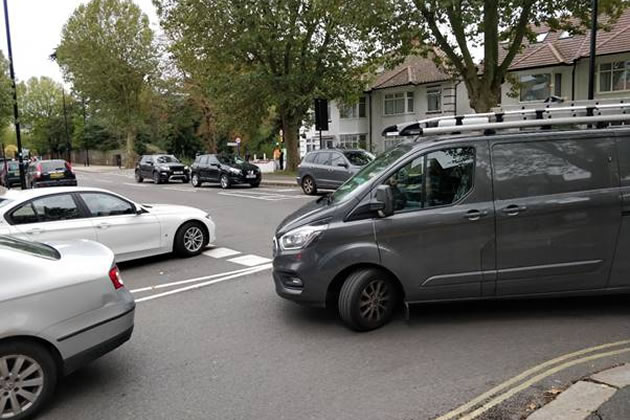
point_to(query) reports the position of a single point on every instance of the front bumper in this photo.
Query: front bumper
(170, 176)
(302, 266)
(242, 179)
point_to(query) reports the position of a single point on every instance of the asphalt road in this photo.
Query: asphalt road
(234, 350)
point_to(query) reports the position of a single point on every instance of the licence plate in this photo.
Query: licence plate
(56, 175)
(178, 173)
(250, 176)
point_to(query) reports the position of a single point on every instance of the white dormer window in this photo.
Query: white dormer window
(565, 35)
(541, 37)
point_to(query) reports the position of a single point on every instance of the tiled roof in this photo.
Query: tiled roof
(554, 51)
(415, 70)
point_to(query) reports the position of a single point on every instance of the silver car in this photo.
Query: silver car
(61, 305)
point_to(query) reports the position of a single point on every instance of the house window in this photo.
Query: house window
(614, 77)
(352, 141)
(541, 37)
(434, 99)
(557, 84)
(535, 87)
(398, 103)
(353, 111)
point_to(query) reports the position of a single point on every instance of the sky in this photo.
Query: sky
(36, 30)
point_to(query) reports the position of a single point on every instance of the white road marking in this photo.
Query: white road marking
(250, 260)
(207, 283)
(193, 280)
(135, 185)
(181, 189)
(221, 252)
(264, 196)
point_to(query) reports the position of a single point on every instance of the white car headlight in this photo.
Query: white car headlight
(301, 237)
(186, 168)
(235, 171)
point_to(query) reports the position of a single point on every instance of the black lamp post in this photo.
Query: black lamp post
(591, 63)
(16, 113)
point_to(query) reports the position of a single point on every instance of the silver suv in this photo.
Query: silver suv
(328, 169)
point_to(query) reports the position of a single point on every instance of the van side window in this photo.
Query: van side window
(531, 169)
(437, 179)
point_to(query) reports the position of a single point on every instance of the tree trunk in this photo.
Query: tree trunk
(483, 100)
(290, 130)
(131, 148)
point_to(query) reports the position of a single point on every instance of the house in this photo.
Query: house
(558, 64)
(415, 89)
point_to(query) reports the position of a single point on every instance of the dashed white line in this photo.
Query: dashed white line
(207, 283)
(221, 252)
(250, 260)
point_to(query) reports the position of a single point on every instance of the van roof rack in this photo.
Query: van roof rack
(599, 114)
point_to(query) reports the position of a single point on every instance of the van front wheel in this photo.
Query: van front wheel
(367, 299)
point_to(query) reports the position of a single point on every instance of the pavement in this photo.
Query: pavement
(213, 340)
(602, 396)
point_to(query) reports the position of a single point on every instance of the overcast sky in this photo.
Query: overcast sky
(36, 30)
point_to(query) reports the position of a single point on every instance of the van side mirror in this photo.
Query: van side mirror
(385, 198)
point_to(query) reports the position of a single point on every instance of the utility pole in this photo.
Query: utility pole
(65, 120)
(591, 63)
(16, 112)
(85, 139)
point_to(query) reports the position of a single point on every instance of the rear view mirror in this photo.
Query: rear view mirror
(385, 197)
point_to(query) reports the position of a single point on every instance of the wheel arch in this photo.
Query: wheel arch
(332, 294)
(54, 351)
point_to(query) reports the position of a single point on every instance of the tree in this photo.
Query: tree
(107, 52)
(457, 26)
(6, 94)
(251, 56)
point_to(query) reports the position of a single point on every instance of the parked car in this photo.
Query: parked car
(161, 168)
(129, 229)
(328, 169)
(50, 173)
(62, 305)
(10, 174)
(507, 214)
(227, 170)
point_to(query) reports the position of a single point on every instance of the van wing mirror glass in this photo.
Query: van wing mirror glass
(385, 198)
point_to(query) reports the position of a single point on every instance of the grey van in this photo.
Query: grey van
(513, 214)
(328, 169)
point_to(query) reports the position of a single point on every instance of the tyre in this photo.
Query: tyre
(30, 381)
(308, 185)
(255, 184)
(367, 299)
(190, 239)
(139, 178)
(156, 178)
(225, 182)
(195, 181)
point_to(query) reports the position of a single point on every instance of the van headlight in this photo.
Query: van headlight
(301, 237)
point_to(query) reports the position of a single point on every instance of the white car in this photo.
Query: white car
(129, 229)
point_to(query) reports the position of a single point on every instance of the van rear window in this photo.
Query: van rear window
(32, 248)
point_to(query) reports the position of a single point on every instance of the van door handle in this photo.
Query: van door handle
(513, 210)
(473, 215)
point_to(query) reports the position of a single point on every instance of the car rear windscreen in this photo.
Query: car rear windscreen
(13, 166)
(53, 165)
(33, 248)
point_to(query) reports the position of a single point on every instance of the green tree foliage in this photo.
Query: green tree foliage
(456, 27)
(42, 115)
(6, 96)
(250, 56)
(107, 52)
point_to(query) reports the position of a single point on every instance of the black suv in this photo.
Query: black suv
(161, 168)
(225, 169)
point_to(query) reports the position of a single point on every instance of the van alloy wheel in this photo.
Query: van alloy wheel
(21, 384)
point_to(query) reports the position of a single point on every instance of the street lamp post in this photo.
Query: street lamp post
(591, 62)
(16, 113)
